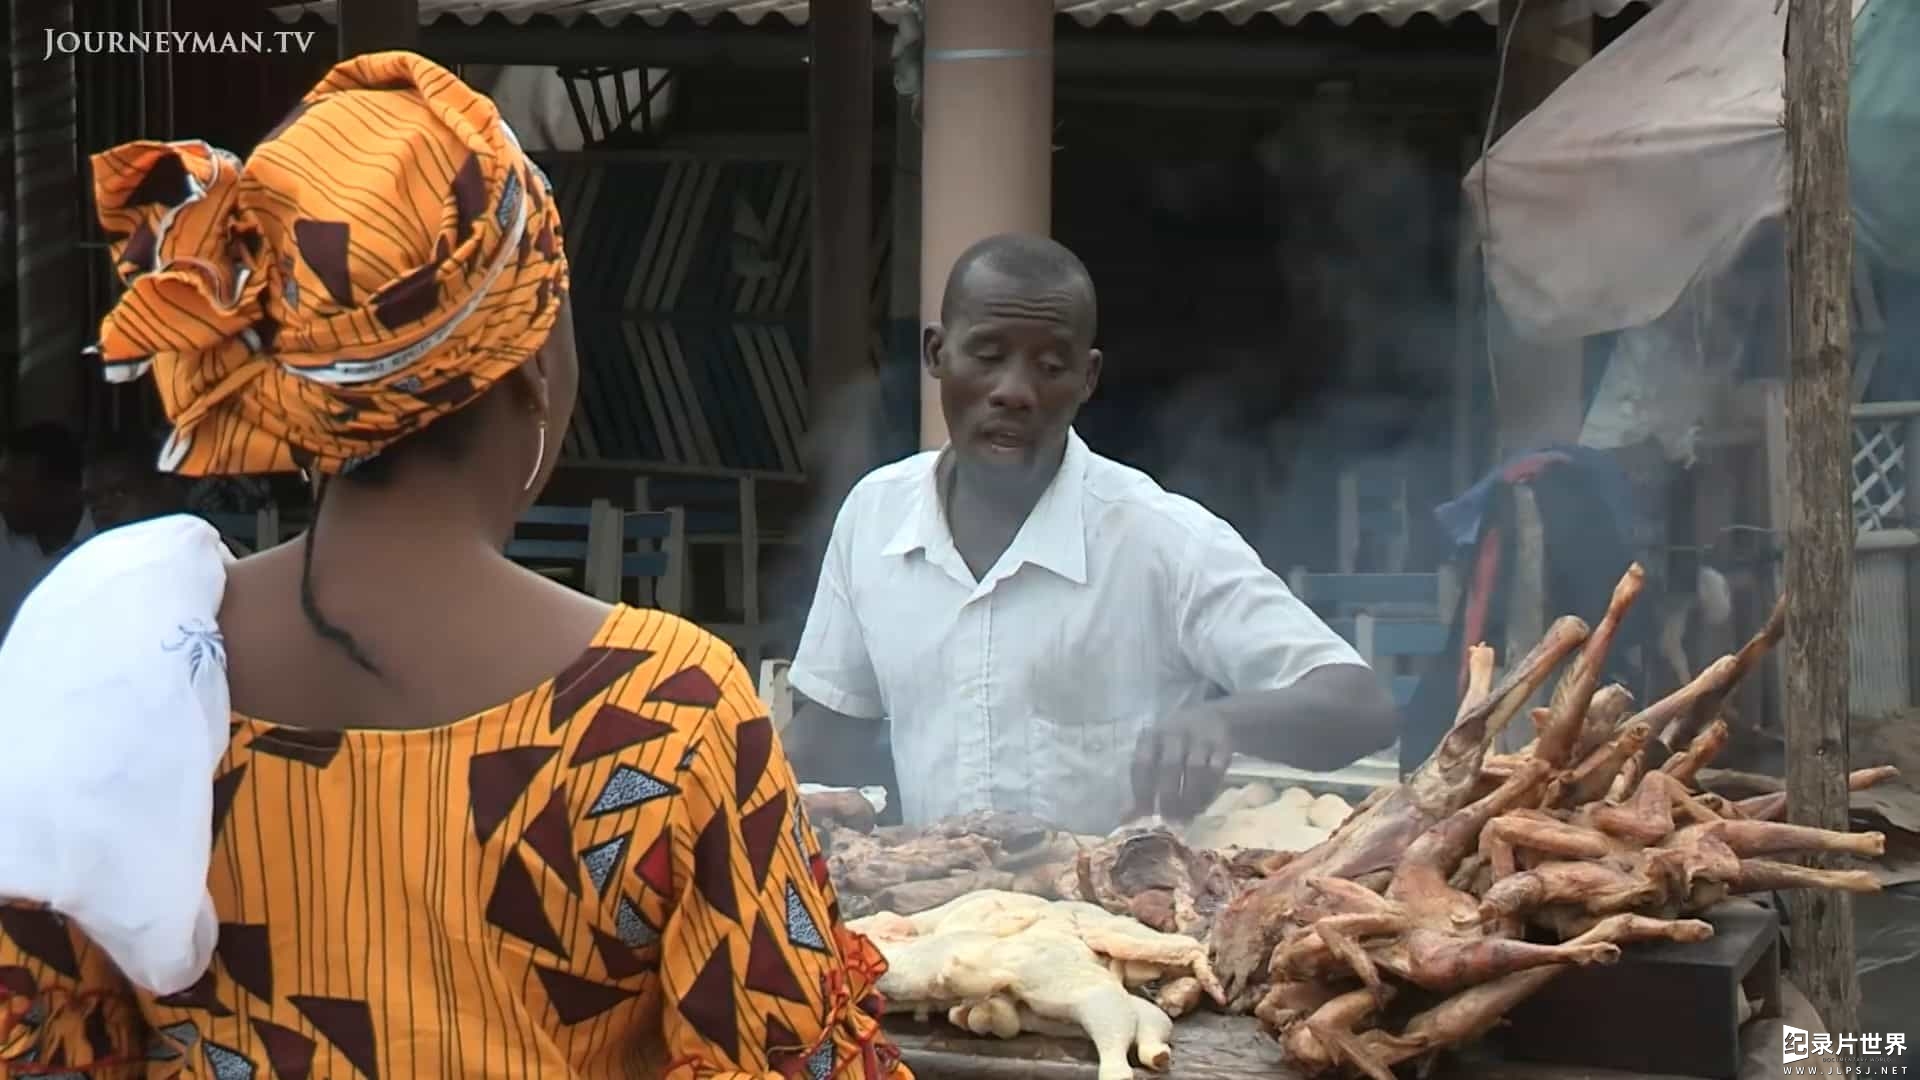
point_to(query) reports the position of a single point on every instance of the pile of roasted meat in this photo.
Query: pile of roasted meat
(1443, 902)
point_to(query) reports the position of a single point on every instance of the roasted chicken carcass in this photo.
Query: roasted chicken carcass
(1485, 876)
(1371, 842)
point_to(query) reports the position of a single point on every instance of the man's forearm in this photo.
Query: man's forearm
(1330, 718)
(826, 747)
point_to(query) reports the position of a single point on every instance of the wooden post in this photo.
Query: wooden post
(840, 131)
(368, 26)
(1819, 555)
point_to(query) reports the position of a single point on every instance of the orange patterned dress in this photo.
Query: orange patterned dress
(607, 876)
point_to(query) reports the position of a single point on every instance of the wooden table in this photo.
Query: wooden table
(1206, 1046)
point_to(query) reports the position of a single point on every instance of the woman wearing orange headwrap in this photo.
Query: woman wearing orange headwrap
(465, 822)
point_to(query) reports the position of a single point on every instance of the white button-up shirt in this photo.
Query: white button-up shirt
(1116, 605)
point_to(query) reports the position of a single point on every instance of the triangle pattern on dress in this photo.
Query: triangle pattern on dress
(753, 742)
(627, 788)
(634, 929)
(289, 1052)
(656, 866)
(620, 961)
(713, 867)
(226, 1063)
(802, 931)
(516, 907)
(767, 969)
(613, 729)
(603, 862)
(576, 1000)
(820, 1064)
(710, 1007)
(496, 781)
(691, 687)
(550, 835)
(761, 831)
(345, 1023)
(586, 678)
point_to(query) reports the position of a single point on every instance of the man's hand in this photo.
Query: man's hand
(1180, 764)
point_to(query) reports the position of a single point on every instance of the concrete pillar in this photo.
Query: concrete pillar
(986, 143)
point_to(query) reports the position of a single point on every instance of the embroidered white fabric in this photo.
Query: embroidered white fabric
(113, 718)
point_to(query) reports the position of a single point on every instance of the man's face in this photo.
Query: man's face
(121, 492)
(1014, 368)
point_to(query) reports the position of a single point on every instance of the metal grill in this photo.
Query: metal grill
(1879, 474)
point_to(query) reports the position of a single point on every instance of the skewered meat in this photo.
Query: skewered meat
(1593, 833)
(1375, 836)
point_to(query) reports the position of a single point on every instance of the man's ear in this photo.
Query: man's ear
(932, 337)
(1094, 360)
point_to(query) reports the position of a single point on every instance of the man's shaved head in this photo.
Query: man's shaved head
(1036, 264)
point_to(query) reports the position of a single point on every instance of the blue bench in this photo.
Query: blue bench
(651, 551)
(563, 543)
(1379, 640)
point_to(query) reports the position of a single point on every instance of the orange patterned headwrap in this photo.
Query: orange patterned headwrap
(384, 256)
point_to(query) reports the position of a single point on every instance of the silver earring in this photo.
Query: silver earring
(539, 459)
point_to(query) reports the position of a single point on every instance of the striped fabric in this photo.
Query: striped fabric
(690, 307)
(608, 876)
(382, 258)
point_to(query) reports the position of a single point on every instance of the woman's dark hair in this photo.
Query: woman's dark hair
(446, 440)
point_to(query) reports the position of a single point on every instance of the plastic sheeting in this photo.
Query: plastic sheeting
(1883, 131)
(1649, 167)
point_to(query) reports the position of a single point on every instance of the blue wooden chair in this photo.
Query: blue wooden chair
(722, 512)
(561, 542)
(1345, 595)
(648, 550)
(1392, 646)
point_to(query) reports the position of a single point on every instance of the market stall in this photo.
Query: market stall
(1514, 892)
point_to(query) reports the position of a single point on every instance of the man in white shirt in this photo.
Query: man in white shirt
(1041, 629)
(41, 511)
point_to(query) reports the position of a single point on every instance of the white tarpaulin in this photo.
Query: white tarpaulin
(1645, 169)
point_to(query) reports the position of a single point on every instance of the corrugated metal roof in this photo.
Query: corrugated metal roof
(794, 12)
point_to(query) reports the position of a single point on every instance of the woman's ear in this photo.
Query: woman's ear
(530, 386)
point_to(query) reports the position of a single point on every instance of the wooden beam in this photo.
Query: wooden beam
(1819, 555)
(1461, 63)
(368, 26)
(840, 378)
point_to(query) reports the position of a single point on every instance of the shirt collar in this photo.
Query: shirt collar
(1053, 538)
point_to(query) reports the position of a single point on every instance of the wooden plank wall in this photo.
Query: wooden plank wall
(690, 279)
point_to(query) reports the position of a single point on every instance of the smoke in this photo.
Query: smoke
(1284, 310)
